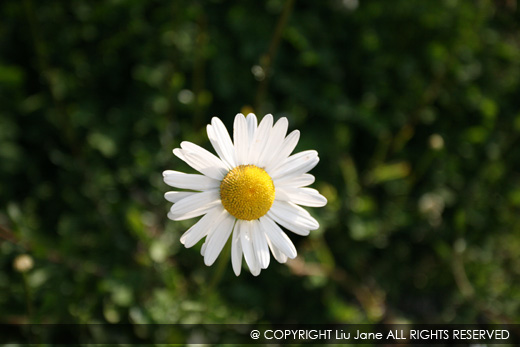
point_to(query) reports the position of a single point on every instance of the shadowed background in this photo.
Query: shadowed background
(413, 107)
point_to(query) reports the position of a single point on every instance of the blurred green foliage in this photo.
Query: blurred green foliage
(413, 107)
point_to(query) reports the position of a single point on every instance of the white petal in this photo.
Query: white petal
(201, 160)
(219, 137)
(176, 196)
(218, 238)
(278, 237)
(236, 250)
(202, 227)
(289, 226)
(301, 196)
(280, 156)
(195, 204)
(296, 164)
(276, 138)
(214, 142)
(247, 248)
(203, 248)
(241, 139)
(252, 124)
(292, 215)
(255, 271)
(281, 195)
(260, 140)
(189, 181)
(260, 245)
(279, 256)
(291, 181)
(202, 164)
(179, 154)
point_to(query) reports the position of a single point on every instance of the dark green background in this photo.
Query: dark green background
(413, 106)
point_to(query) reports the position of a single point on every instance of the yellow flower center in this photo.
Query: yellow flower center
(247, 192)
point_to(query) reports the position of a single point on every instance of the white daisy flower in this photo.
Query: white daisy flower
(248, 192)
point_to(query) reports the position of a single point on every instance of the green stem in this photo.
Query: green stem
(27, 297)
(222, 264)
(28, 303)
(199, 65)
(266, 60)
(223, 261)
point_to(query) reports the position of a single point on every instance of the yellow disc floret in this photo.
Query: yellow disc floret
(247, 192)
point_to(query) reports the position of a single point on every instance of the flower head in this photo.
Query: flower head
(23, 263)
(252, 188)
